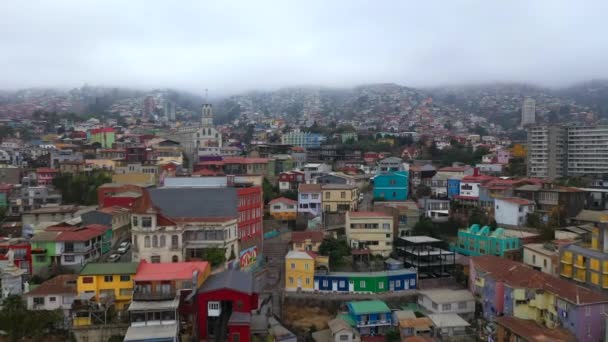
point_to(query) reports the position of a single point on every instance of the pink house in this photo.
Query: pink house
(503, 156)
(45, 175)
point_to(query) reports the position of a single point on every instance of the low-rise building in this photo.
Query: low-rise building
(477, 240)
(450, 325)
(57, 293)
(299, 271)
(371, 317)
(307, 241)
(512, 211)
(440, 301)
(542, 256)
(339, 198)
(515, 329)
(107, 280)
(370, 230)
(391, 186)
(283, 209)
(512, 289)
(309, 199)
(290, 180)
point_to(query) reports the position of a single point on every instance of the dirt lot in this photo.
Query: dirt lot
(302, 318)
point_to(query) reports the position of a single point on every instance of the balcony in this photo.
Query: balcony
(373, 323)
(154, 296)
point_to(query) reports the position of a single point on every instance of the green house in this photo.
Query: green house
(476, 240)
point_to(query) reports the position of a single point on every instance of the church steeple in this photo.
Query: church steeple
(207, 114)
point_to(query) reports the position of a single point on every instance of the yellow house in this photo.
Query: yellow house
(283, 209)
(339, 198)
(370, 230)
(307, 241)
(299, 271)
(109, 279)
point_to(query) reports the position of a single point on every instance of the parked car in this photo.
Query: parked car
(124, 247)
(114, 258)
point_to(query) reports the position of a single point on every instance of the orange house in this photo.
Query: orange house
(283, 209)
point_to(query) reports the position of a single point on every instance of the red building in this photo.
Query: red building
(136, 154)
(225, 302)
(251, 215)
(45, 175)
(22, 252)
(120, 195)
(290, 180)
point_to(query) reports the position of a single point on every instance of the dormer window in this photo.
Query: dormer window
(146, 221)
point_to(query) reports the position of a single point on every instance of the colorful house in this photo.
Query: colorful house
(225, 302)
(587, 265)
(512, 289)
(339, 198)
(370, 230)
(477, 240)
(108, 279)
(45, 175)
(453, 187)
(283, 209)
(309, 199)
(306, 241)
(371, 317)
(392, 186)
(366, 282)
(105, 136)
(299, 271)
(22, 252)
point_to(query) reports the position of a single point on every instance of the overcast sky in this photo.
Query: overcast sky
(231, 46)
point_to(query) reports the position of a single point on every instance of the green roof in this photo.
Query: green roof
(108, 268)
(349, 320)
(368, 306)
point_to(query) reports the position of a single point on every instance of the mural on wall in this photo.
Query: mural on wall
(248, 256)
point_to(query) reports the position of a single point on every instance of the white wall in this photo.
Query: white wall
(538, 260)
(474, 191)
(505, 212)
(427, 303)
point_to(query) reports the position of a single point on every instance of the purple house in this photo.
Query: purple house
(509, 288)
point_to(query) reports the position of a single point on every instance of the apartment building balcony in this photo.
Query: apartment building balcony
(373, 323)
(142, 295)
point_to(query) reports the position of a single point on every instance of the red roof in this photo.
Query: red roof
(367, 214)
(102, 130)
(6, 187)
(205, 172)
(61, 284)
(314, 236)
(476, 179)
(516, 200)
(45, 170)
(283, 200)
(531, 331)
(309, 188)
(235, 160)
(518, 275)
(169, 270)
(81, 233)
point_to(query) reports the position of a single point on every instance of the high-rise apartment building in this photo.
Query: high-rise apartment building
(572, 150)
(546, 151)
(528, 112)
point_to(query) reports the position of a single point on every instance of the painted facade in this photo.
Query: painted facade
(370, 230)
(477, 240)
(393, 186)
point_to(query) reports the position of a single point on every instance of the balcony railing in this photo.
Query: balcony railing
(163, 295)
(375, 322)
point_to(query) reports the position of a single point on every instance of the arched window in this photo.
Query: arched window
(162, 241)
(147, 242)
(174, 241)
(155, 241)
(175, 258)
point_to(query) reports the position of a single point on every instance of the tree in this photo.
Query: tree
(270, 191)
(423, 191)
(424, 226)
(20, 323)
(291, 194)
(335, 249)
(215, 255)
(80, 188)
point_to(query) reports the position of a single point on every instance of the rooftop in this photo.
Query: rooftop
(447, 320)
(152, 333)
(58, 209)
(368, 306)
(314, 236)
(594, 216)
(534, 332)
(444, 296)
(154, 305)
(232, 280)
(61, 284)
(283, 200)
(338, 187)
(309, 188)
(109, 268)
(419, 239)
(518, 275)
(516, 200)
(363, 214)
(169, 271)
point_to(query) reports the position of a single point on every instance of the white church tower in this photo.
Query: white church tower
(207, 117)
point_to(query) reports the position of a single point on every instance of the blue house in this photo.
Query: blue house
(453, 187)
(391, 186)
(371, 317)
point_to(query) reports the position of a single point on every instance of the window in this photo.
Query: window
(126, 292)
(545, 263)
(175, 258)
(163, 241)
(380, 286)
(342, 283)
(174, 241)
(462, 305)
(108, 279)
(446, 307)
(40, 258)
(293, 266)
(147, 242)
(304, 196)
(291, 280)
(393, 182)
(587, 311)
(435, 306)
(155, 241)
(236, 337)
(125, 278)
(534, 259)
(87, 280)
(325, 283)
(146, 221)
(155, 259)
(344, 337)
(38, 300)
(398, 283)
(69, 258)
(386, 226)
(327, 195)
(412, 283)
(362, 283)
(306, 266)
(52, 299)
(343, 194)
(135, 221)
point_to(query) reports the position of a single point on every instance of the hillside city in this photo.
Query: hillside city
(374, 213)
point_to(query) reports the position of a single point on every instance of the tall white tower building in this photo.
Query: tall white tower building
(528, 112)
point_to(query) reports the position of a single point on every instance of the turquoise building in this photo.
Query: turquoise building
(391, 186)
(475, 241)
